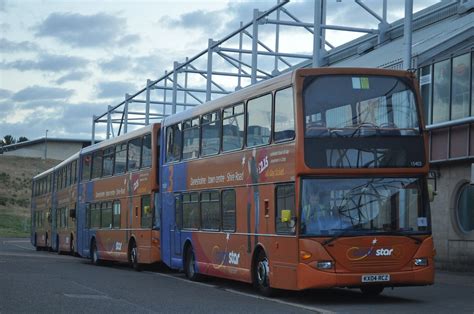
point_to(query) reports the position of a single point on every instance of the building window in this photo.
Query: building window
(425, 86)
(461, 87)
(441, 91)
(465, 208)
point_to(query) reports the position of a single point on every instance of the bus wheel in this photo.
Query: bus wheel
(46, 247)
(133, 256)
(58, 250)
(371, 290)
(37, 248)
(261, 275)
(71, 245)
(190, 265)
(94, 255)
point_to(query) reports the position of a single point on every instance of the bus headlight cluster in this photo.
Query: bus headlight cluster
(421, 262)
(324, 265)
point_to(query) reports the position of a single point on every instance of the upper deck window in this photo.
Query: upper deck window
(259, 120)
(146, 151)
(361, 122)
(359, 106)
(191, 138)
(211, 130)
(284, 115)
(173, 143)
(233, 128)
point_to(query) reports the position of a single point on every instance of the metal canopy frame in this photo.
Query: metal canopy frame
(208, 75)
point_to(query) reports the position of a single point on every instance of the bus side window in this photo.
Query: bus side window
(173, 143)
(191, 138)
(210, 210)
(285, 208)
(211, 130)
(145, 160)
(86, 167)
(259, 120)
(191, 215)
(178, 210)
(108, 159)
(228, 210)
(116, 222)
(284, 124)
(96, 164)
(146, 212)
(233, 126)
(134, 152)
(120, 158)
(106, 215)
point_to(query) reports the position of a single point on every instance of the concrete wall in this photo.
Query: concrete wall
(455, 248)
(56, 150)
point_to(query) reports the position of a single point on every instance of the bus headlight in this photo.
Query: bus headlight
(324, 265)
(421, 261)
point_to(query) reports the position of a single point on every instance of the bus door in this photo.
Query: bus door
(83, 231)
(176, 228)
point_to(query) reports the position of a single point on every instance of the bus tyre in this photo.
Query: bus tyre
(46, 247)
(133, 256)
(262, 275)
(58, 250)
(94, 255)
(371, 290)
(71, 245)
(190, 265)
(37, 248)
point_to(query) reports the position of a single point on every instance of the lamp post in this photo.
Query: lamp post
(46, 145)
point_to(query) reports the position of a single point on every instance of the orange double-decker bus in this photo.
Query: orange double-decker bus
(117, 189)
(41, 210)
(64, 205)
(314, 179)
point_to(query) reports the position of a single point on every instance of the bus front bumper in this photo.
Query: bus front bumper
(310, 277)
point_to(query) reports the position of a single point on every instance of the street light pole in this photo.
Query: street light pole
(46, 145)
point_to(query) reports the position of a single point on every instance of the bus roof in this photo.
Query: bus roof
(233, 98)
(118, 139)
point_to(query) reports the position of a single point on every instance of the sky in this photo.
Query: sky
(63, 61)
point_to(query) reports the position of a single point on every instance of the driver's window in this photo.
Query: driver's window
(285, 208)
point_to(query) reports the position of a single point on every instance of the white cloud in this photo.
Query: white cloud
(41, 93)
(47, 62)
(79, 30)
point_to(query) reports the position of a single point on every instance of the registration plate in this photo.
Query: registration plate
(376, 278)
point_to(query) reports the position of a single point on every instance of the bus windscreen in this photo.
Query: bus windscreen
(361, 206)
(361, 122)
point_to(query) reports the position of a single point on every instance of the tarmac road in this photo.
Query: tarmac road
(40, 282)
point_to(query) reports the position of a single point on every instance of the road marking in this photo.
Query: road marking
(11, 242)
(310, 308)
(301, 306)
(182, 279)
(87, 296)
(35, 255)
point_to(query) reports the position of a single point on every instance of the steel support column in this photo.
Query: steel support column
(407, 32)
(256, 13)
